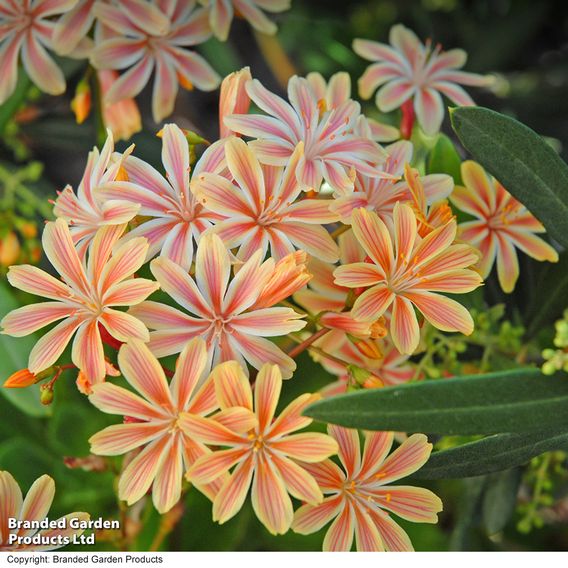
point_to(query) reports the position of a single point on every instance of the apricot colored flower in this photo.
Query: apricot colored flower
(407, 271)
(233, 98)
(503, 224)
(34, 507)
(25, 29)
(332, 149)
(270, 455)
(222, 312)
(123, 117)
(154, 422)
(381, 194)
(408, 69)
(146, 36)
(221, 13)
(175, 219)
(261, 210)
(361, 496)
(84, 299)
(86, 211)
(337, 91)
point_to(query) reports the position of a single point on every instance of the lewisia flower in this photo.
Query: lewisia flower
(408, 70)
(221, 14)
(269, 455)
(34, 507)
(223, 313)
(407, 271)
(332, 149)
(361, 497)
(84, 300)
(381, 194)
(154, 418)
(86, 211)
(337, 91)
(176, 219)
(25, 29)
(262, 212)
(233, 98)
(70, 34)
(503, 224)
(147, 36)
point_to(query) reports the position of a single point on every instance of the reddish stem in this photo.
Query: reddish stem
(407, 121)
(307, 342)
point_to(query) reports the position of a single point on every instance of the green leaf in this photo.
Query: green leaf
(500, 499)
(444, 159)
(494, 453)
(14, 352)
(521, 160)
(12, 104)
(519, 400)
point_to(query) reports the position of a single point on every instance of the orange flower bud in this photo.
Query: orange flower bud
(83, 384)
(28, 229)
(378, 329)
(369, 349)
(9, 249)
(81, 103)
(20, 379)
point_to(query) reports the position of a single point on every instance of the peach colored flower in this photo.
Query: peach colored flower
(154, 422)
(503, 224)
(34, 507)
(381, 194)
(221, 14)
(407, 271)
(270, 455)
(408, 69)
(25, 28)
(123, 117)
(85, 299)
(261, 210)
(144, 37)
(233, 98)
(361, 497)
(86, 211)
(332, 149)
(337, 91)
(222, 312)
(176, 219)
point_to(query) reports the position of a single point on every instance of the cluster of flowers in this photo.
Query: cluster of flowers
(310, 212)
(140, 35)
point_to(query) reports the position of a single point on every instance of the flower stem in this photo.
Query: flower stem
(301, 347)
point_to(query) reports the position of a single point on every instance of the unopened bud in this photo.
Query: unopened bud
(368, 348)
(378, 329)
(81, 103)
(20, 379)
(9, 249)
(46, 395)
(28, 229)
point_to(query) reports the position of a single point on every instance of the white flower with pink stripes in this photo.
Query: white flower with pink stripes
(173, 219)
(222, 311)
(333, 150)
(26, 30)
(409, 70)
(269, 455)
(360, 496)
(145, 37)
(86, 298)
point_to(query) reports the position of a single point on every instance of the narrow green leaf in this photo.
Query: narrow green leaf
(444, 159)
(12, 104)
(521, 160)
(520, 400)
(500, 499)
(494, 453)
(14, 352)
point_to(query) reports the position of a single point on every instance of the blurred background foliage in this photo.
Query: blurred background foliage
(525, 43)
